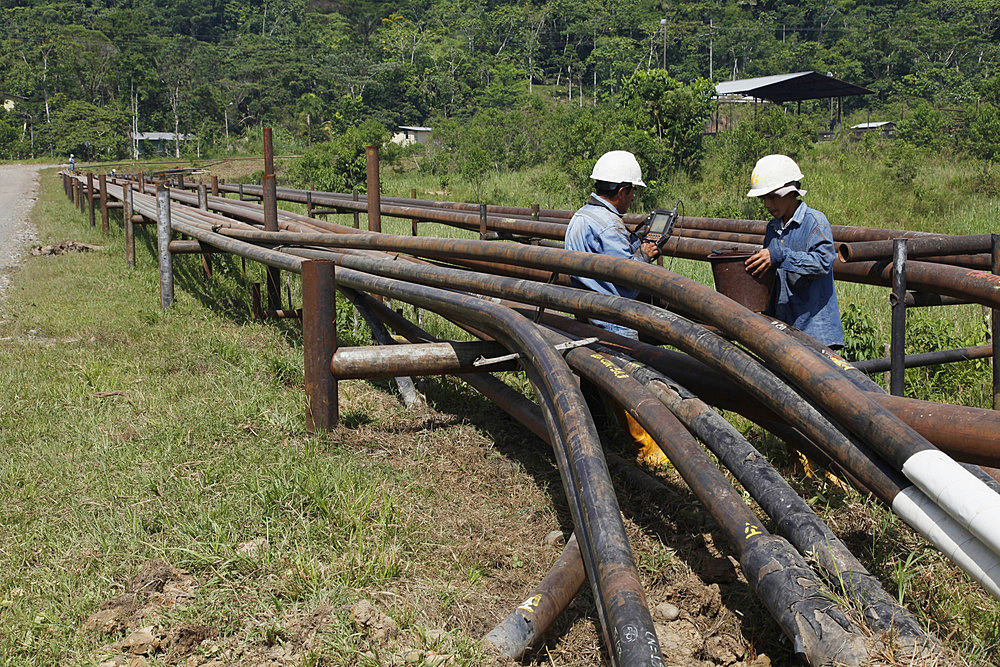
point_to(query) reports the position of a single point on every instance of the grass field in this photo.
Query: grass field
(161, 499)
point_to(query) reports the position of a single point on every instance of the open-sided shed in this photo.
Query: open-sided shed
(795, 87)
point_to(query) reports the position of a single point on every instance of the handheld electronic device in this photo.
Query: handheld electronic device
(658, 225)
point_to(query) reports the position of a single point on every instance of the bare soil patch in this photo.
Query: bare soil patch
(63, 248)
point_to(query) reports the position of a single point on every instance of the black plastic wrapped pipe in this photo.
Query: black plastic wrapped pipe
(927, 358)
(792, 515)
(965, 498)
(819, 629)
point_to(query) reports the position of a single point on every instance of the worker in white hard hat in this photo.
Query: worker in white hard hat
(798, 246)
(72, 162)
(597, 227)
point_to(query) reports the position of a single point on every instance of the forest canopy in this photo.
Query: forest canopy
(216, 69)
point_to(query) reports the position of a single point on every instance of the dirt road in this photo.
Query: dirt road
(18, 191)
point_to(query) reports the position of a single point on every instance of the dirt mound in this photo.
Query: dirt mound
(157, 587)
(63, 248)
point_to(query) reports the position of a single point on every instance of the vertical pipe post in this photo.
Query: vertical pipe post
(162, 243)
(319, 343)
(534, 211)
(127, 212)
(357, 216)
(309, 203)
(70, 185)
(142, 183)
(81, 187)
(897, 341)
(374, 191)
(215, 186)
(413, 221)
(102, 182)
(90, 198)
(269, 200)
(482, 221)
(241, 191)
(995, 324)
(256, 309)
(206, 257)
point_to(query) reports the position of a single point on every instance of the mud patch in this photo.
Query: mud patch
(157, 587)
(63, 248)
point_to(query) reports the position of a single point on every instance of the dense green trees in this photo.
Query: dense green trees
(216, 68)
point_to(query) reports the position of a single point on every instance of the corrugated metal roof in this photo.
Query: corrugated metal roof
(415, 128)
(159, 136)
(872, 125)
(791, 87)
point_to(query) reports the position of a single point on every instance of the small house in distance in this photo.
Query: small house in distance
(886, 128)
(411, 134)
(158, 143)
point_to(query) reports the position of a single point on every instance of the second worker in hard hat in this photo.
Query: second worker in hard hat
(798, 246)
(597, 227)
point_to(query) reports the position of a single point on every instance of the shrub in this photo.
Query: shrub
(672, 113)
(861, 336)
(901, 162)
(980, 133)
(926, 127)
(959, 382)
(767, 132)
(339, 165)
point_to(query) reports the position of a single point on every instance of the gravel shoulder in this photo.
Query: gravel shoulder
(18, 192)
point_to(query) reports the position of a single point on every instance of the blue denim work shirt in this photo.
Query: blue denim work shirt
(802, 254)
(597, 227)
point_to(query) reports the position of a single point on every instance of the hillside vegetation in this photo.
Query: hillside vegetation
(81, 75)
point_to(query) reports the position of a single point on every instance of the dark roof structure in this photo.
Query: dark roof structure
(791, 87)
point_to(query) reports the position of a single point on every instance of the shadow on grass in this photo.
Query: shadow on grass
(674, 517)
(227, 291)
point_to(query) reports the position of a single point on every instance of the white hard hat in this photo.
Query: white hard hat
(618, 167)
(71, 155)
(773, 173)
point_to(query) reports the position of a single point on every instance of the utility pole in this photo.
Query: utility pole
(711, 44)
(663, 28)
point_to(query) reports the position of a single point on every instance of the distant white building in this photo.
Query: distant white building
(411, 134)
(157, 142)
(884, 127)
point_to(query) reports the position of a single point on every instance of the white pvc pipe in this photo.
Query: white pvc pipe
(975, 506)
(954, 541)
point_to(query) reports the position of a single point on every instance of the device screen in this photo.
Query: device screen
(660, 222)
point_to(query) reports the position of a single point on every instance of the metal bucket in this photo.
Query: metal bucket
(732, 279)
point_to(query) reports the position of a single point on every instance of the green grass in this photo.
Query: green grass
(130, 434)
